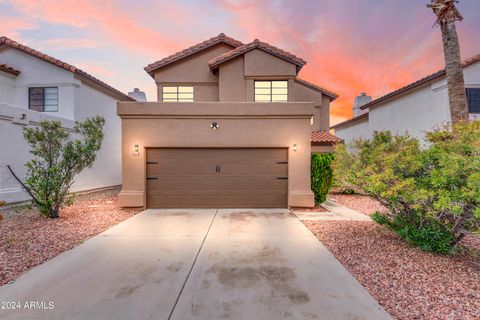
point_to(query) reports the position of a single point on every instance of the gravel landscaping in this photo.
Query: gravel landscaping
(361, 203)
(27, 239)
(407, 282)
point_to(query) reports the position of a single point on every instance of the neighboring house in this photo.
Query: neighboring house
(36, 87)
(416, 108)
(232, 128)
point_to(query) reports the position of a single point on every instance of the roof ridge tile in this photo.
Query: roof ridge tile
(59, 63)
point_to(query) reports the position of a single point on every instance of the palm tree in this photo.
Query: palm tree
(447, 14)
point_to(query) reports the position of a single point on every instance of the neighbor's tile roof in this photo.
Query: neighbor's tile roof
(324, 136)
(419, 82)
(350, 121)
(310, 85)
(8, 69)
(221, 38)
(13, 44)
(257, 44)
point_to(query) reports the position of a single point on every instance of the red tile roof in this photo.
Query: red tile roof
(221, 38)
(419, 82)
(8, 69)
(257, 44)
(4, 41)
(350, 121)
(313, 86)
(326, 137)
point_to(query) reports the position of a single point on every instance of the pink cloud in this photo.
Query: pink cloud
(11, 26)
(67, 43)
(102, 17)
(95, 69)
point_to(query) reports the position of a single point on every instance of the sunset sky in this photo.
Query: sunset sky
(350, 45)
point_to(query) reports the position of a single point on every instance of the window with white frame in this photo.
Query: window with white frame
(473, 99)
(43, 99)
(177, 94)
(271, 91)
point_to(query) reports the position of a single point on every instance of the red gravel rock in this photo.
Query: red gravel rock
(361, 203)
(27, 239)
(407, 282)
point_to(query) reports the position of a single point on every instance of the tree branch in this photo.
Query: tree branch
(27, 189)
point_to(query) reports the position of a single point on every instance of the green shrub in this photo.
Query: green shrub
(57, 159)
(322, 175)
(429, 236)
(433, 192)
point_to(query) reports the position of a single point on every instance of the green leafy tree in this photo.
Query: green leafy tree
(57, 159)
(322, 175)
(433, 193)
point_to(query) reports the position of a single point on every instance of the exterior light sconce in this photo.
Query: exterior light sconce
(23, 116)
(135, 150)
(294, 147)
(214, 125)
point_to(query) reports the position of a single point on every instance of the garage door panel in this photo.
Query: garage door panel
(216, 178)
(185, 168)
(192, 185)
(234, 201)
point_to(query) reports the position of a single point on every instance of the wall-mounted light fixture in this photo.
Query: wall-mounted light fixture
(135, 150)
(23, 116)
(294, 147)
(214, 125)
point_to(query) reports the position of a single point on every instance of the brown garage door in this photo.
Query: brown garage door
(217, 178)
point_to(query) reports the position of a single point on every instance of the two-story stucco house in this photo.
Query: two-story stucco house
(232, 128)
(416, 108)
(36, 87)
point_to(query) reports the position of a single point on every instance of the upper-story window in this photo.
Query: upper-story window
(271, 91)
(43, 99)
(473, 99)
(177, 94)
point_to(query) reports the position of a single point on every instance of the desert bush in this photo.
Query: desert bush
(57, 159)
(322, 175)
(433, 192)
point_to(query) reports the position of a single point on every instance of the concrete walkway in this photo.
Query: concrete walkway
(195, 264)
(334, 212)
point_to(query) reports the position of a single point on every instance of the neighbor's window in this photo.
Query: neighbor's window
(43, 99)
(271, 91)
(473, 98)
(177, 94)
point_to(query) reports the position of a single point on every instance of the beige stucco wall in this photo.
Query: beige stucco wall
(195, 71)
(260, 63)
(232, 83)
(241, 125)
(323, 148)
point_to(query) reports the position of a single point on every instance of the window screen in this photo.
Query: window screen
(43, 99)
(177, 94)
(473, 99)
(271, 91)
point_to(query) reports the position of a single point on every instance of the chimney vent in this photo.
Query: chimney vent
(360, 100)
(138, 95)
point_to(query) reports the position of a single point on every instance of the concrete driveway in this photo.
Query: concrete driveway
(194, 264)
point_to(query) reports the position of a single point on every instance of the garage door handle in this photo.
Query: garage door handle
(152, 162)
(282, 162)
(282, 178)
(152, 178)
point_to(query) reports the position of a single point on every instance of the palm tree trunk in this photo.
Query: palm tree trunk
(453, 67)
